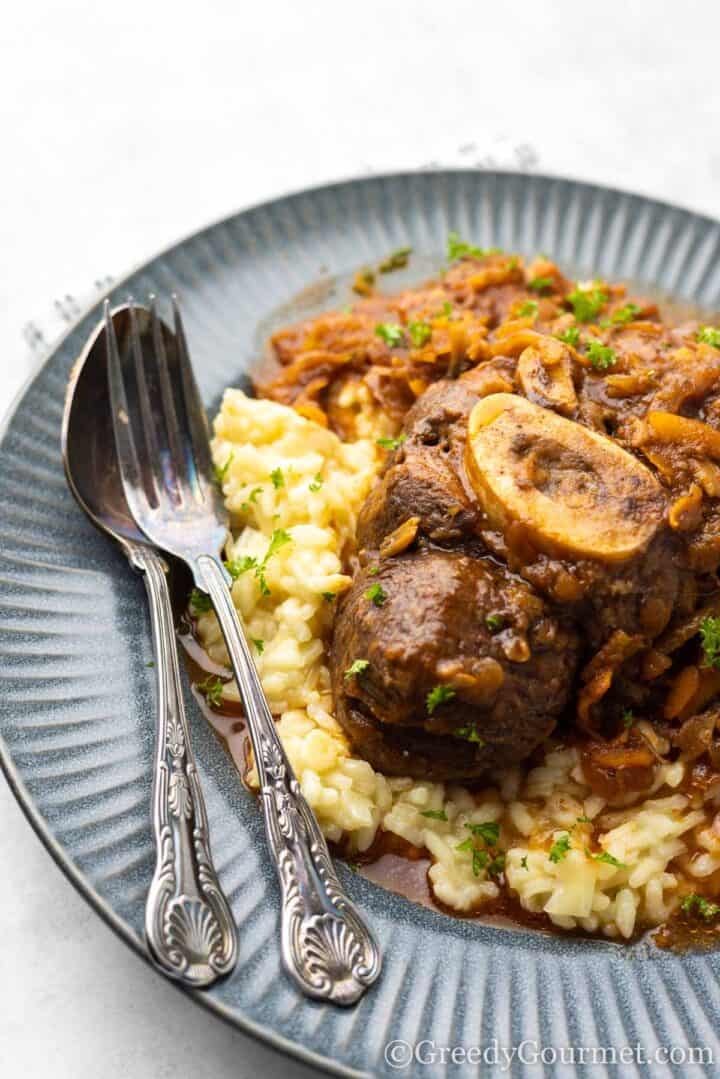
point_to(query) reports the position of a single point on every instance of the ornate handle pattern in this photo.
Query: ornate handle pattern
(326, 946)
(188, 924)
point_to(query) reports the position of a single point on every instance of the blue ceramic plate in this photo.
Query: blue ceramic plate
(76, 709)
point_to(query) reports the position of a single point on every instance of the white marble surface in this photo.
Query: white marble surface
(127, 125)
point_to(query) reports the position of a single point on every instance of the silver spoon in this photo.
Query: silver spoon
(163, 445)
(188, 924)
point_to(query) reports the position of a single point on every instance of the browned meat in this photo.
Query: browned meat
(467, 670)
(426, 478)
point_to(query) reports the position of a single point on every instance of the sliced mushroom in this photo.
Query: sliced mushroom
(547, 380)
(574, 492)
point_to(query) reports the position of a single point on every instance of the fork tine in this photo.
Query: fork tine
(152, 453)
(196, 416)
(177, 456)
(124, 439)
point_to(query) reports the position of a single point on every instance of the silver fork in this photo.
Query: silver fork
(162, 438)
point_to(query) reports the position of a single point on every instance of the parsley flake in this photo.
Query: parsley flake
(710, 638)
(528, 310)
(601, 356)
(357, 667)
(625, 314)
(391, 443)
(494, 622)
(479, 861)
(627, 718)
(376, 594)
(328, 596)
(488, 831)
(469, 734)
(238, 566)
(316, 483)
(392, 334)
(437, 696)
(211, 688)
(697, 904)
(221, 473)
(457, 249)
(259, 644)
(434, 814)
(587, 303)
(278, 539)
(709, 335)
(523, 863)
(559, 849)
(570, 336)
(609, 859)
(541, 284)
(396, 260)
(278, 480)
(420, 333)
(200, 601)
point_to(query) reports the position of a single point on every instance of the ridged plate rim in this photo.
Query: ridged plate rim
(318, 1057)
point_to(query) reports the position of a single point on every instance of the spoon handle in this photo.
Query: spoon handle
(326, 946)
(188, 924)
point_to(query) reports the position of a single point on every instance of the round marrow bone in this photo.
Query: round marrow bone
(574, 491)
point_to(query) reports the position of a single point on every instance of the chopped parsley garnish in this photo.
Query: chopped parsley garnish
(570, 336)
(392, 334)
(396, 260)
(497, 865)
(609, 859)
(376, 594)
(278, 539)
(211, 688)
(469, 734)
(221, 473)
(278, 480)
(625, 314)
(559, 849)
(252, 498)
(479, 861)
(523, 863)
(709, 335)
(541, 284)
(316, 483)
(437, 696)
(710, 638)
(601, 356)
(488, 831)
(357, 667)
(328, 596)
(528, 310)
(420, 333)
(697, 904)
(447, 309)
(628, 718)
(494, 622)
(238, 566)
(457, 248)
(391, 443)
(259, 644)
(200, 601)
(434, 814)
(587, 303)
(583, 820)
(374, 570)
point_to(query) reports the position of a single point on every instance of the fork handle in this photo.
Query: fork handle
(326, 946)
(188, 924)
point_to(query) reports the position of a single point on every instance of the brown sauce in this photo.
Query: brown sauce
(394, 864)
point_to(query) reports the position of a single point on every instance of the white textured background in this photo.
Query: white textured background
(124, 126)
